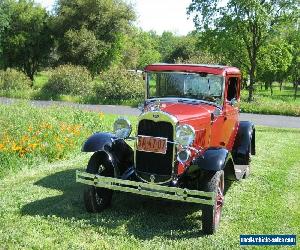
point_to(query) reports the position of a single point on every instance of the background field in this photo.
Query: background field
(41, 205)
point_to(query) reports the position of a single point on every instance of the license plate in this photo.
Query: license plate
(152, 144)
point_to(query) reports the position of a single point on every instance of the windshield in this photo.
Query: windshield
(185, 85)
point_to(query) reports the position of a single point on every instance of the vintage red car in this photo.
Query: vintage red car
(189, 140)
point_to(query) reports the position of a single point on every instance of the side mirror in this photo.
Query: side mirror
(141, 107)
(234, 102)
(217, 112)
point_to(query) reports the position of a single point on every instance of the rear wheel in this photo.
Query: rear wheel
(97, 199)
(211, 214)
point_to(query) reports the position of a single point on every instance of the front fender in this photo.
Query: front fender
(98, 142)
(119, 153)
(213, 159)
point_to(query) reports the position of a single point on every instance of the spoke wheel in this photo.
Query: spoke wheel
(211, 214)
(97, 199)
(219, 202)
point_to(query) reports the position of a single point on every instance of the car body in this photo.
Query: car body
(188, 141)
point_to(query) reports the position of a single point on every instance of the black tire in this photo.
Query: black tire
(211, 214)
(97, 199)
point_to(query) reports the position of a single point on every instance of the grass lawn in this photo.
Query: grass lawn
(280, 103)
(42, 207)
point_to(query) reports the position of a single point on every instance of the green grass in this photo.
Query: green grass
(42, 207)
(280, 103)
(40, 79)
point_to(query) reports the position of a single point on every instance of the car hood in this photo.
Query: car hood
(188, 111)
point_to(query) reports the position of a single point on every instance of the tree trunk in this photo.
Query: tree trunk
(280, 86)
(251, 87)
(271, 87)
(244, 84)
(296, 89)
(266, 85)
(252, 81)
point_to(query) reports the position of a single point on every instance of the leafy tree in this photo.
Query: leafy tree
(201, 57)
(4, 24)
(103, 22)
(81, 47)
(274, 61)
(184, 48)
(141, 49)
(25, 36)
(241, 27)
(148, 49)
(293, 38)
(167, 43)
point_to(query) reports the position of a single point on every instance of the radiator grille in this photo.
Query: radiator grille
(153, 163)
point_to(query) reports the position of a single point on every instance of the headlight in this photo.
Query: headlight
(122, 128)
(183, 155)
(185, 135)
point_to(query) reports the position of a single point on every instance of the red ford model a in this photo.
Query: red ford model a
(188, 140)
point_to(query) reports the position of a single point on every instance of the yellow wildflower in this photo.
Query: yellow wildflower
(101, 115)
(15, 147)
(32, 145)
(25, 138)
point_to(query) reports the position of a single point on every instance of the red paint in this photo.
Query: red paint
(197, 68)
(219, 132)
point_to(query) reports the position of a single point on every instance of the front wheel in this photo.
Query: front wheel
(97, 199)
(211, 214)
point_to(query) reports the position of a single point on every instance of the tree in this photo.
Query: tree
(167, 43)
(81, 47)
(95, 21)
(274, 61)
(184, 48)
(293, 38)
(25, 36)
(4, 24)
(241, 27)
(140, 49)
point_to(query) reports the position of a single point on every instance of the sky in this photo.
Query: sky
(157, 15)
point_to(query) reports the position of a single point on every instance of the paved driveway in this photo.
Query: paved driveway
(278, 121)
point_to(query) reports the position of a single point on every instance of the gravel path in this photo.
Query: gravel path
(278, 121)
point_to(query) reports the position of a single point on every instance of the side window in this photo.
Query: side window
(232, 88)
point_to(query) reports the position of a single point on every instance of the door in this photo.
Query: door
(231, 111)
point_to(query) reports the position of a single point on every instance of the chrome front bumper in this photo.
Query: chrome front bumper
(146, 189)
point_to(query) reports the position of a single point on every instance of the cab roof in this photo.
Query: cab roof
(196, 68)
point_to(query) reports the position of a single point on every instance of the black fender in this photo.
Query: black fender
(215, 159)
(244, 143)
(98, 142)
(111, 149)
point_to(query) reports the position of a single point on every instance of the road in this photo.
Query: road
(278, 121)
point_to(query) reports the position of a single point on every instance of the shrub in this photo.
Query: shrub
(120, 84)
(12, 79)
(69, 80)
